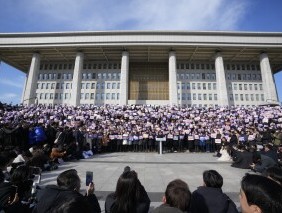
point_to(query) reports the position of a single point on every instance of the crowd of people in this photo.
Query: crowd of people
(41, 137)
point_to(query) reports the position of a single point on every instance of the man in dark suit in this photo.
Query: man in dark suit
(242, 158)
(261, 162)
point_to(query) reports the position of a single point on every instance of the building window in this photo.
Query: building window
(194, 96)
(102, 96)
(187, 76)
(188, 86)
(103, 85)
(56, 96)
(215, 97)
(117, 96)
(113, 96)
(108, 85)
(46, 76)
(204, 86)
(183, 86)
(256, 86)
(86, 96)
(199, 86)
(233, 76)
(193, 85)
(61, 96)
(239, 77)
(210, 97)
(59, 76)
(240, 86)
(118, 85)
(46, 96)
(214, 86)
(209, 86)
(231, 97)
(92, 95)
(97, 96)
(205, 97)
(92, 85)
(241, 97)
(247, 97)
(245, 87)
(188, 96)
(108, 96)
(82, 96)
(58, 86)
(250, 86)
(236, 97)
(260, 86)
(41, 96)
(257, 97)
(262, 97)
(66, 96)
(183, 96)
(88, 86)
(252, 97)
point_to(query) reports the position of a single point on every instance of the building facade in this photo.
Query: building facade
(146, 67)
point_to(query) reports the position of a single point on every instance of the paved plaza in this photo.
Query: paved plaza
(154, 171)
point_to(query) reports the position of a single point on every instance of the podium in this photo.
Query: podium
(160, 140)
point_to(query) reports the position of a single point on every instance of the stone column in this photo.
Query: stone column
(30, 87)
(172, 78)
(24, 86)
(76, 81)
(124, 78)
(267, 79)
(220, 81)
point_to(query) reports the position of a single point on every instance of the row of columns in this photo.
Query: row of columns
(267, 79)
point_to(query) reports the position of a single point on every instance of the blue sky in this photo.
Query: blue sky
(83, 15)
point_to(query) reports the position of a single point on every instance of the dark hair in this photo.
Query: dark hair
(275, 173)
(69, 179)
(74, 205)
(263, 192)
(256, 157)
(2, 176)
(126, 193)
(6, 157)
(178, 195)
(212, 179)
(20, 174)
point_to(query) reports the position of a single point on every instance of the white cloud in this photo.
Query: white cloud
(139, 14)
